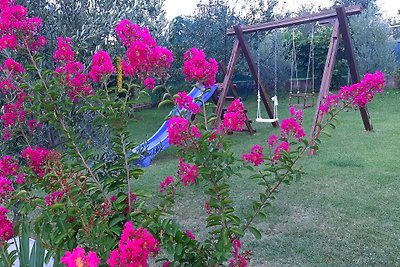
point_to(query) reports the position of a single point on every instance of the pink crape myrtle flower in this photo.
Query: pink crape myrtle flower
(290, 127)
(196, 67)
(234, 117)
(33, 124)
(14, 112)
(296, 114)
(180, 131)
(20, 179)
(101, 66)
(15, 25)
(9, 41)
(273, 140)
(5, 188)
(54, 197)
(79, 258)
(188, 173)
(149, 82)
(12, 67)
(190, 235)
(64, 51)
(37, 158)
(7, 86)
(237, 260)
(71, 72)
(6, 135)
(256, 157)
(330, 101)
(167, 183)
(283, 146)
(184, 101)
(128, 32)
(134, 248)
(8, 166)
(144, 58)
(6, 227)
(358, 94)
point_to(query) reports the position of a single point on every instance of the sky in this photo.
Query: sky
(186, 7)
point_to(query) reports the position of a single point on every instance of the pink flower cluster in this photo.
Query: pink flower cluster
(5, 188)
(15, 25)
(14, 113)
(184, 101)
(187, 172)
(54, 197)
(290, 127)
(234, 116)
(6, 228)
(256, 157)
(330, 101)
(278, 151)
(144, 58)
(167, 183)
(12, 68)
(33, 124)
(69, 71)
(149, 82)
(37, 159)
(134, 248)
(8, 170)
(190, 235)
(180, 132)
(197, 68)
(7, 86)
(101, 66)
(8, 166)
(238, 260)
(79, 258)
(296, 114)
(273, 140)
(358, 94)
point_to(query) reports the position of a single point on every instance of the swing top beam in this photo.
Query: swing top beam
(323, 16)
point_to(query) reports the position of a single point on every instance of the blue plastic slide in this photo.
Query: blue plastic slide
(159, 141)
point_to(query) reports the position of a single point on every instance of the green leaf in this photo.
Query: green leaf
(179, 249)
(326, 133)
(142, 193)
(98, 166)
(255, 232)
(166, 102)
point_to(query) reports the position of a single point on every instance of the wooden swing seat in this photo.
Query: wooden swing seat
(301, 104)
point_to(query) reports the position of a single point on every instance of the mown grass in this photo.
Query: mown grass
(344, 212)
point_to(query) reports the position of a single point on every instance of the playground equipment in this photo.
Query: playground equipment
(338, 19)
(302, 97)
(275, 97)
(159, 141)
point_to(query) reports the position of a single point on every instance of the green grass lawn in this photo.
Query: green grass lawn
(344, 212)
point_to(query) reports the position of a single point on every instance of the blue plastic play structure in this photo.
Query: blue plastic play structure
(159, 141)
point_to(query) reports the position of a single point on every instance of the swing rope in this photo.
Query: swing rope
(311, 64)
(293, 66)
(275, 97)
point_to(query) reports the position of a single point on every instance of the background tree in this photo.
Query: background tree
(364, 3)
(93, 22)
(374, 48)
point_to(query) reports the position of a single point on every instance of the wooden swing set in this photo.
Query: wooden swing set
(339, 21)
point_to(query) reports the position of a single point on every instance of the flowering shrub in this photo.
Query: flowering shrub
(134, 248)
(78, 258)
(78, 198)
